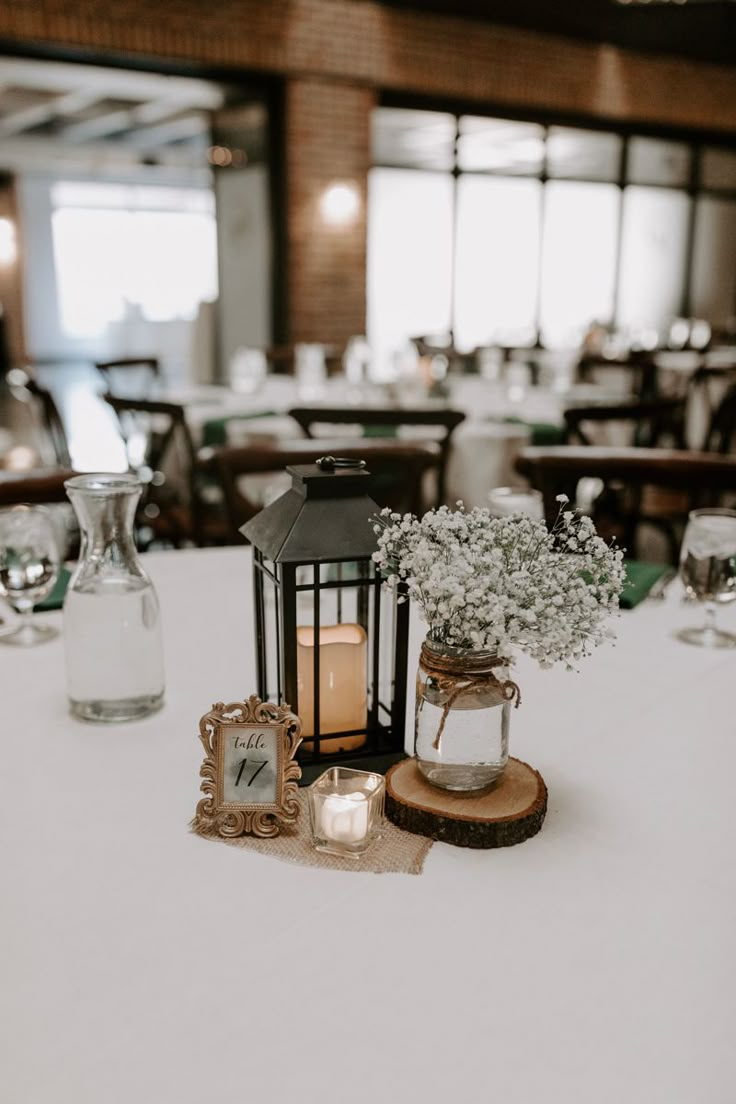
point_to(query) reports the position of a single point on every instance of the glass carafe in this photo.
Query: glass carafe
(112, 631)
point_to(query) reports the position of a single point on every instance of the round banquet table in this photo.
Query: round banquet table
(591, 963)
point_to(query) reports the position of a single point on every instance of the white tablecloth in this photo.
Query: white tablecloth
(592, 963)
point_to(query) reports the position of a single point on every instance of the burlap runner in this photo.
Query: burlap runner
(396, 852)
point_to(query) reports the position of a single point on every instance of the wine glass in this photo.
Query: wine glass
(29, 567)
(708, 570)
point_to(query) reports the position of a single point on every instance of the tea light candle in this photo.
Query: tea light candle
(344, 817)
(345, 809)
(343, 683)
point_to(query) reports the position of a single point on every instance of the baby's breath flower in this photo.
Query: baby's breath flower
(504, 583)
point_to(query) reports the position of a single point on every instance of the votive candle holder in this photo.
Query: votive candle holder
(346, 810)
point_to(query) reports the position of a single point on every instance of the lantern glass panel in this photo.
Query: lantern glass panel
(387, 654)
(270, 639)
(332, 655)
(305, 597)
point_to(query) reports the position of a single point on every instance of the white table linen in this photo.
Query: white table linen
(592, 963)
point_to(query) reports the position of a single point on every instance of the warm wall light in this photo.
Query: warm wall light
(223, 157)
(339, 204)
(8, 249)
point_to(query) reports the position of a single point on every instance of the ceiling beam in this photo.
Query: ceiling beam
(53, 76)
(137, 120)
(99, 126)
(186, 126)
(26, 118)
(54, 157)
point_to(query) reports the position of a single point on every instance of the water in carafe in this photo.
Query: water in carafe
(112, 634)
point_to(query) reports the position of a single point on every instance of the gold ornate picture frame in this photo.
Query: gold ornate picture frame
(249, 775)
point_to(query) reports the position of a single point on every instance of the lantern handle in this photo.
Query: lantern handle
(329, 463)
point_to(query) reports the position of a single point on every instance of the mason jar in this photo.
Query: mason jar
(463, 711)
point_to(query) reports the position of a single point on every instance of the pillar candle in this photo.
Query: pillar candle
(343, 703)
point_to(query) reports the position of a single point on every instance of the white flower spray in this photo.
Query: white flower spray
(504, 584)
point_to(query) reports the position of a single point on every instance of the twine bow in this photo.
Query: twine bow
(456, 674)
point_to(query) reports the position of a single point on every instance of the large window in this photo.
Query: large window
(122, 247)
(497, 260)
(410, 256)
(653, 254)
(509, 232)
(578, 259)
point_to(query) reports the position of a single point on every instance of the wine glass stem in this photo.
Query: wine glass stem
(24, 609)
(710, 618)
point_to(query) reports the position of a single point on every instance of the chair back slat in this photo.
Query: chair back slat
(722, 428)
(50, 420)
(393, 418)
(398, 470)
(652, 422)
(166, 465)
(124, 373)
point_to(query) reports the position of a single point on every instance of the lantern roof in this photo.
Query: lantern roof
(325, 516)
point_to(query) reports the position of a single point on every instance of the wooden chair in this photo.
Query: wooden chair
(389, 420)
(35, 487)
(722, 428)
(684, 480)
(639, 363)
(654, 422)
(431, 345)
(177, 504)
(50, 421)
(397, 468)
(129, 373)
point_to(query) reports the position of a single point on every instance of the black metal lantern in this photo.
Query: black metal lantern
(330, 641)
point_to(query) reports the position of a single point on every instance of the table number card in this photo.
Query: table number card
(249, 775)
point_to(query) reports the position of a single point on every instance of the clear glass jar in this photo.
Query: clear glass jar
(112, 631)
(463, 711)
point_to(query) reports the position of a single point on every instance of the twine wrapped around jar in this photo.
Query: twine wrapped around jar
(455, 674)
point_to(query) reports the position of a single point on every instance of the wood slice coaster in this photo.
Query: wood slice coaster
(510, 812)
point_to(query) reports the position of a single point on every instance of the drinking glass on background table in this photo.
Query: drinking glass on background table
(505, 501)
(310, 370)
(518, 380)
(29, 567)
(708, 570)
(248, 370)
(356, 360)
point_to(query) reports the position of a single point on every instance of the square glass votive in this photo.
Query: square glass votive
(346, 810)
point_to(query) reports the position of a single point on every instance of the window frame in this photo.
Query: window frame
(696, 142)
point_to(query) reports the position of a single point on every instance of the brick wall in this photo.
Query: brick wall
(327, 141)
(364, 43)
(335, 55)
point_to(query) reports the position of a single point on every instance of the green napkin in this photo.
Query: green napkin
(543, 433)
(546, 433)
(640, 578)
(55, 599)
(214, 431)
(380, 431)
